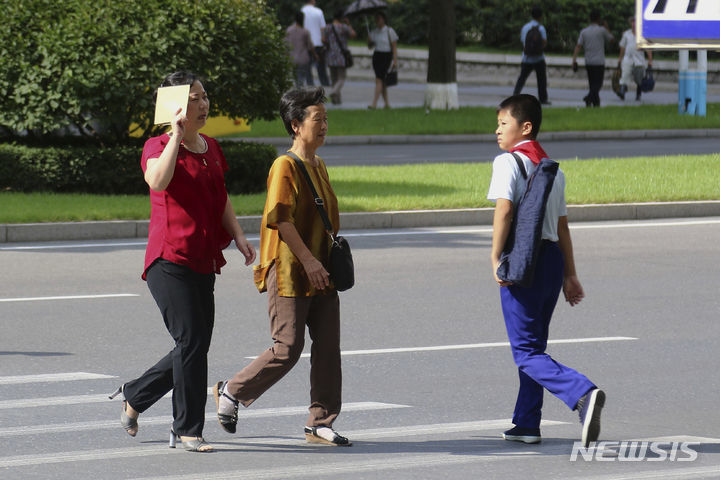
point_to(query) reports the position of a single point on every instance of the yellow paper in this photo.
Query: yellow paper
(169, 99)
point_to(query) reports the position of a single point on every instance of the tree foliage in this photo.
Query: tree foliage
(492, 23)
(93, 65)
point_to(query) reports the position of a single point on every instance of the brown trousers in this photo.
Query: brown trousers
(288, 317)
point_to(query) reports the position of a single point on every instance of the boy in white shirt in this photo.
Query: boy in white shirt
(528, 310)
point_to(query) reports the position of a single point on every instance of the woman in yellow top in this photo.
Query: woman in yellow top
(294, 253)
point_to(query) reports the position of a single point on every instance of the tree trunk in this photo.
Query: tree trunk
(441, 89)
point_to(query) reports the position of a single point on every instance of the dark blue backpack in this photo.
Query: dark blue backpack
(517, 262)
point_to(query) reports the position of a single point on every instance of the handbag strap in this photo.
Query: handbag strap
(337, 40)
(319, 203)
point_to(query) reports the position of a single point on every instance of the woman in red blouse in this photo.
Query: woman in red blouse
(191, 222)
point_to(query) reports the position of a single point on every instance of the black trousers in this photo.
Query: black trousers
(541, 73)
(596, 74)
(187, 302)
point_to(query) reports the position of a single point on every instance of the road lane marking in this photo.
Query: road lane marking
(68, 297)
(52, 377)
(392, 232)
(470, 346)
(74, 245)
(337, 469)
(210, 416)
(263, 442)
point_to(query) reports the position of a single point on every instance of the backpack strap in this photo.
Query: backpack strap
(520, 163)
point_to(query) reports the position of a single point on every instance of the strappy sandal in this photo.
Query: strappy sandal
(128, 423)
(227, 422)
(337, 440)
(197, 444)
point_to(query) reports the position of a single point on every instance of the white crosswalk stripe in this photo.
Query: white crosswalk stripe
(167, 419)
(370, 434)
(378, 464)
(52, 377)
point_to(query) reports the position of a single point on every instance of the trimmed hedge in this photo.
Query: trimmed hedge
(116, 170)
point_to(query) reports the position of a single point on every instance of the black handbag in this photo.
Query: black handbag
(341, 268)
(648, 82)
(347, 55)
(391, 78)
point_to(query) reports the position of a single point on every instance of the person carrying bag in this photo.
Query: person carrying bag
(342, 268)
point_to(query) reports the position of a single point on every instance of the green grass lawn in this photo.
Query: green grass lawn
(415, 187)
(479, 120)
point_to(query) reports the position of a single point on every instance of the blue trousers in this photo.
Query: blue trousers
(527, 313)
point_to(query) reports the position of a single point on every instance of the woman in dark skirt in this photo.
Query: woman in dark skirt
(384, 39)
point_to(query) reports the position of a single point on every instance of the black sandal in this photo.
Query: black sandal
(227, 422)
(311, 435)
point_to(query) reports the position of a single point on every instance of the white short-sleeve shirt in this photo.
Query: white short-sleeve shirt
(383, 38)
(314, 23)
(507, 182)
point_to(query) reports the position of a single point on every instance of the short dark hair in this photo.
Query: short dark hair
(339, 15)
(536, 12)
(595, 16)
(180, 77)
(524, 108)
(382, 14)
(294, 104)
(300, 18)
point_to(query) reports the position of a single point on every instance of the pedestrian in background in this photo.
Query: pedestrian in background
(527, 310)
(301, 50)
(384, 40)
(293, 270)
(631, 61)
(335, 37)
(191, 222)
(534, 40)
(315, 23)
(592, 39)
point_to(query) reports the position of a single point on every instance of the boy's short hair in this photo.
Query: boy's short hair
(536, 12)
(524, 108)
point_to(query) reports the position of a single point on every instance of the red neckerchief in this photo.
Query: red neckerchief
(532, 149)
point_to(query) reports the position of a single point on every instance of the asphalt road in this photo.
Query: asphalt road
(428, 383)
(339, 155)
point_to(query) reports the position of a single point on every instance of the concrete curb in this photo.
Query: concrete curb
(472, 138)
(74, 231)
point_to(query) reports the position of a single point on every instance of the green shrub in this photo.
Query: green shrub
(249, 166)
(116, 170)
(93, 66)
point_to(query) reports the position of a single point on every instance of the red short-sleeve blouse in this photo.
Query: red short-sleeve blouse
(186, 218)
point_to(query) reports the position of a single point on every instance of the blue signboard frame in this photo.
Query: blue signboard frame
(660, 33)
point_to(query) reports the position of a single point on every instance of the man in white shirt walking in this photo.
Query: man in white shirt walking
(315, 23)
